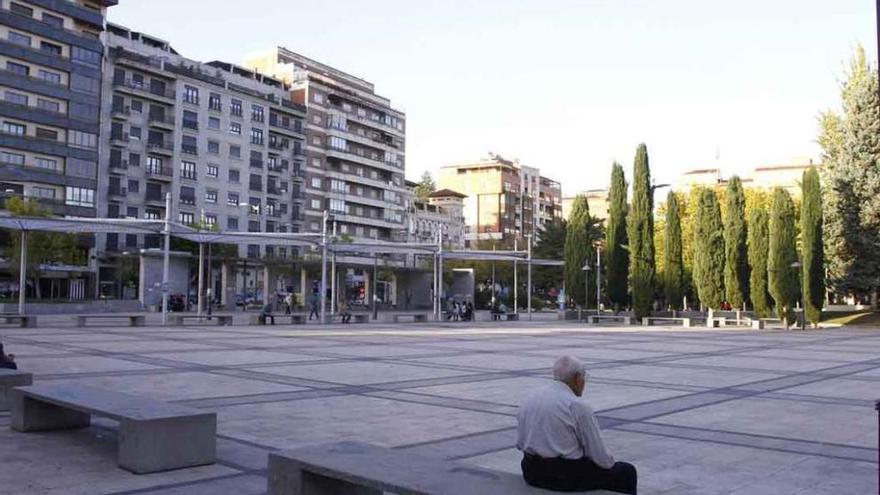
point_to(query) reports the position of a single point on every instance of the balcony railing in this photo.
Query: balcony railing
(162, 146)
(138, 86)
(160, 172)
(160, 119)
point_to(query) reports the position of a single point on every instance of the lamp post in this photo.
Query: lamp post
(586, 269)
(598, 279)
(799, 267)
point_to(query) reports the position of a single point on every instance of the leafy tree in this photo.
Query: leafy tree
(425, 187)
(641, 235)
(782, 277)
(545, 279)
(673, 266)
(811, 246)
(577, 251)
(43, 248)
(758, 247)
(736, 269)
(616, 239)
(851, 144)
(709, 250)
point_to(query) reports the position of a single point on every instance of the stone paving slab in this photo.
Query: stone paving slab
(699, 411)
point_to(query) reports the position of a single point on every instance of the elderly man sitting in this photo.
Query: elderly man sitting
(560, 438)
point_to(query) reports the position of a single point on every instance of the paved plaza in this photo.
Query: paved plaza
(697, 411)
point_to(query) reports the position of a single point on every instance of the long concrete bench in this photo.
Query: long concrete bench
(178, 319)
(650, 320)
(593, 319)
(10, 379)
(153, 436)
(363, 469)
(416, 317)
(24, 321)
(134, 320)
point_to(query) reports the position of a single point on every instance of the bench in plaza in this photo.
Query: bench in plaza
(10, 379)
(177, 319)
(416, 317)
(292, 319)
(651, 320)
(153, 436)
(625, 319)
(24, 321)
(505, 316)
(134, 320)
(363, 469)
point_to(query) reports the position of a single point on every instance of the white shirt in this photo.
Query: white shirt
(553, 423)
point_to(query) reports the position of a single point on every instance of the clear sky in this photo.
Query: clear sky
(565, 85)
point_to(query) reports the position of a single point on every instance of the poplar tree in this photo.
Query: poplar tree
(758, 247)
(812, 252)
(616, 239)
(782, 277)
(577, 249)
(641, 236)
(673, 272)
(736, 268)
(709, 250)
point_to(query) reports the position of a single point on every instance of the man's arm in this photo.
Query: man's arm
(590, 436)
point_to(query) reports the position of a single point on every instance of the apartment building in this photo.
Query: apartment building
(50, 81)
(786, 175)
(597, 202)
(546, 195)
(442, 212)
(225, 141)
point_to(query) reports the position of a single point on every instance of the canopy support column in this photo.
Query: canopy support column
(324, 269)
(529, 278)
(373, 296)
(515, 284)
(333, 293)
(199, 300)
(165, 258)
(22, 273)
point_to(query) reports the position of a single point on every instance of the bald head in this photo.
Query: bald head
(570, 371)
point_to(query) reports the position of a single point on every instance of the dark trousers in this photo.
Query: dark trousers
(314, 311)
(572, 475)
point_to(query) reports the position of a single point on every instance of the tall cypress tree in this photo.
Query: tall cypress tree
(736, 268)
(616, 240)
(673, 272)
(813, 254)
(641, 236)
(577, 249)
(758, 247)
(709, 250)
(782, 277)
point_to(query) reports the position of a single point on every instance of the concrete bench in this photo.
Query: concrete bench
(416, 317)
(363, 469)
(648, 321)
(153, 436)
(594, 319)
(177, 319)
(24, 321)
(134, 320)
(290, 319)
(10, 379)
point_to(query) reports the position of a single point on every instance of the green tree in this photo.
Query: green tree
(616, 240)
(545, 279)
(812, 252)
(851, 202)
(736, 268)
(673, 266)
(758, 248)
(782, 253)
(709, 250)
(425, 187)
(641, 236)
(577, 250)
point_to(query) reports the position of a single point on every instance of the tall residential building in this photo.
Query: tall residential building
(355, 166)
(504, 200)
(443, 212)
(226, 142)
(787, 176)
(50, 80)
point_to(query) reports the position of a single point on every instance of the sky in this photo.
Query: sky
(569, 86)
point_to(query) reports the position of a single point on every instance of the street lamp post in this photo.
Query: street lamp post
(586, 269)
(799, 267)
(598, 280)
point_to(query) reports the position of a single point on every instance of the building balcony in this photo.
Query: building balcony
(55, 206)
(164, 174)
(119, 138)
(167, 96)
(116, 191)
(363, 160)
(121, 111)
(295, 130)
(121, 165)
(163, 121)
(162, 148)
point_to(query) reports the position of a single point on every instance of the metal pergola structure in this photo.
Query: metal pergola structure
(330, 245)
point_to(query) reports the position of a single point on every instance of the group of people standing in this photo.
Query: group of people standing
(459, 311)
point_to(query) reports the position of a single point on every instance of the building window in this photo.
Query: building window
(81, 139)
(191, 95)
(337, 205)
(17, 8)
(186, 218)
(18, 39)
(49, 134)
(338, 122)
(131, 211)
(337, 186)
(234, 176)
(316, 182)
(256, 136)
(234, 151)
(21, 70)
(11, 158)
(210, 196)
(213, 147)
(213, 123)
(187, 195)
(48, 76)
(133, 187)
(154, 165)
(87, 57)
(257, 114)
(232, 199)
(210, 220)
(337, 143)
(190, 145)
(134, 160)
(235, 107)
(17, 98)
(79, 196)
(190, 120)
(213, 171)
(134, 133)
(316, 204)
(43, 192)
(232, 223)
(53, 20)
(235, 128)
(214, 102)
(50, 48)
(317, 98)
(316, 140)
(188, 170)
(137, 106)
